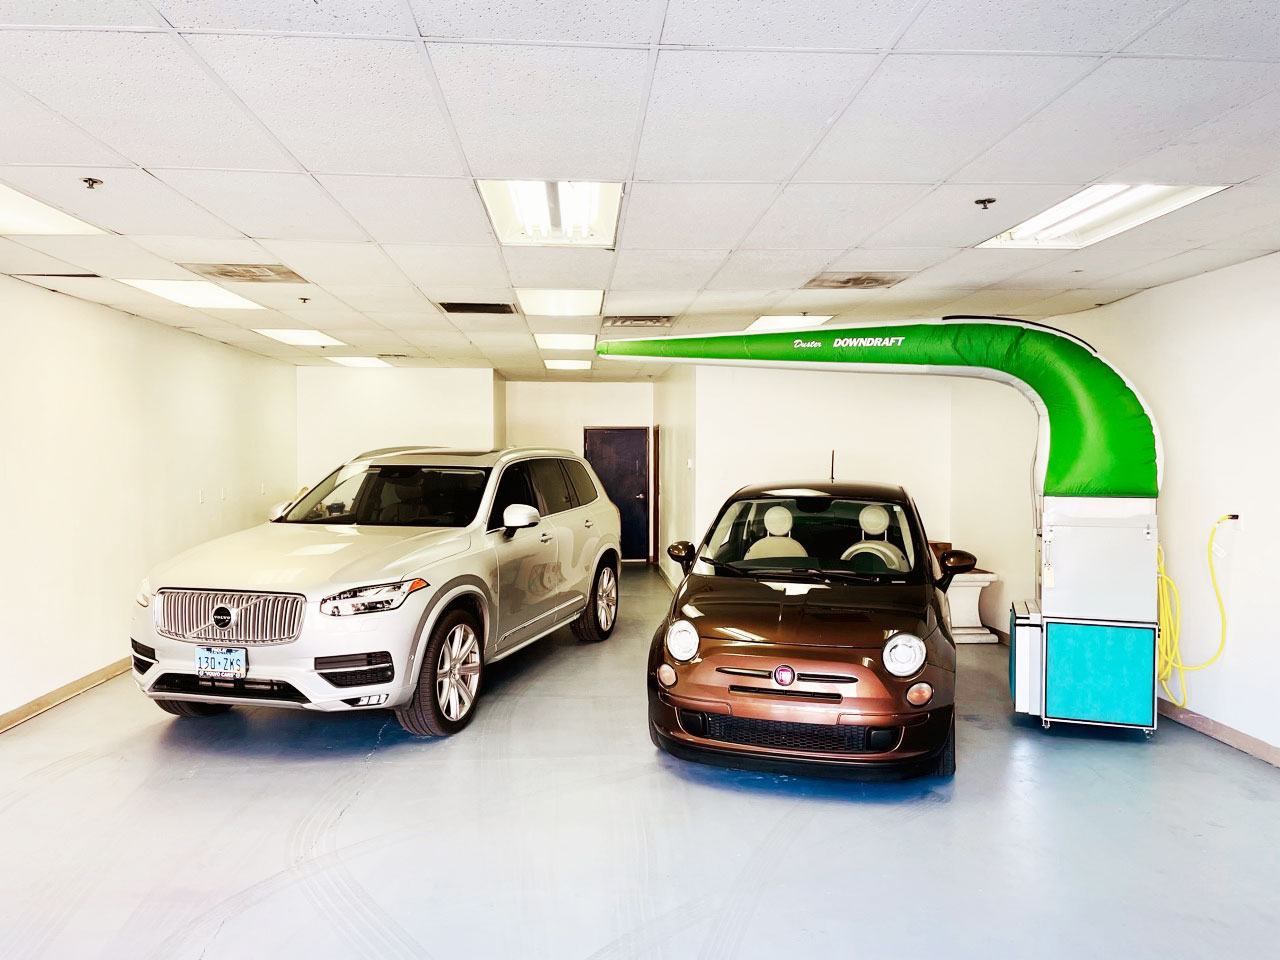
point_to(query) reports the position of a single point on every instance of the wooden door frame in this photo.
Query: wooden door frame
(651, 481)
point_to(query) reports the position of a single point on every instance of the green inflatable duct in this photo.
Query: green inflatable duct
(1097, 437)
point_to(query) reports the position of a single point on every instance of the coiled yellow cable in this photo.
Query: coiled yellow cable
(1169, 603)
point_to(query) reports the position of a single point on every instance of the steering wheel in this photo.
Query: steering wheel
(888, 554)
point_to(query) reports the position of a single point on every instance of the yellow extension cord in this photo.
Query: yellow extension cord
(1170, 612)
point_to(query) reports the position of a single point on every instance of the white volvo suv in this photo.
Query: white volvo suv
(392, 583)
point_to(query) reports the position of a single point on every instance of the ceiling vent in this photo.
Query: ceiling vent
(459, 306)
(244, 272)
(647, 322)
(854, 281)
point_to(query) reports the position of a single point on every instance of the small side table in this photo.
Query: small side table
(963, 594)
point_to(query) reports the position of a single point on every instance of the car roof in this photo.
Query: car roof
(446, 457)
(825, 488)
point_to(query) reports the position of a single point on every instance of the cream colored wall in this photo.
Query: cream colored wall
(554, 414)
(674, 414)
(124, 442)
(344, 411)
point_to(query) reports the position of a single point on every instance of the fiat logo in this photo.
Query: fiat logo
(222, 617)
(784, 676)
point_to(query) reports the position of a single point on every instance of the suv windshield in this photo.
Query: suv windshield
(829, 537)
(394, 496)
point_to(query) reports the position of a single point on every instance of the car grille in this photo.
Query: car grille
(779, 734)
(357, 669)
(246, 689)
(256, 617)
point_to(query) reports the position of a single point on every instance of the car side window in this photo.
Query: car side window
(582, 483)
(552, 485)
(514, 486)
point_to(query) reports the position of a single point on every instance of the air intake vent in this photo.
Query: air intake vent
(637, 321)
(455, 306)
(854, 281)
(244, 272)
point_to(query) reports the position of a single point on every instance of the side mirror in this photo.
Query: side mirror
(955, 562)
(276, 512)
(683, 553)
(518, 516)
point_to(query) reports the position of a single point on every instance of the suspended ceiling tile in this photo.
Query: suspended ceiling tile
(741, 116)
(347, 17)
(779, 269)
(1179, 267)
(564, 325)
(205, 249)
(1215, 28)
(657, 303)
(79, 13)
(641, 270)
(404, 298)
(691, 216)
(755, 302)
(16, 258)
(1225, 214)
(108, 256)
(143, 94)
(433, 266)
(566, 21)
(830, 216)
(128, 200)
(864, 260)
(921, 117)
(1086, 267)
(448, 292)
(46, 137)
(340, 106)
(266, 205)
(978, 268)
(413, 209)
(1084, 25)
(949, 217)
(1073, 301)
(325, 264)
(796, 23)
(563, 267)
(549, 113)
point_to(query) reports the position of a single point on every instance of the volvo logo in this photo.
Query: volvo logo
(223, 617)
(784, 676)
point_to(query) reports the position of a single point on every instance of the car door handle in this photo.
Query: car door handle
(589, 523)
(545, 538)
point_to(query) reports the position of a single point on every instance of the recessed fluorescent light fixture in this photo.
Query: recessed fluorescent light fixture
(1096, 213)
(787, 322)
(195, 293)
(360, 361)
(568, 364)
(552, 213)
(560, 303)
(21, 215)
(302, 338)
(565, 341)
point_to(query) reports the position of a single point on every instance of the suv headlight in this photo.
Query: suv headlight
(374, 599)
(682, 640)
(904, 654)
(145, 593)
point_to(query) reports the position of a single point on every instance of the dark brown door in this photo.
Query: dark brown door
(620, 457)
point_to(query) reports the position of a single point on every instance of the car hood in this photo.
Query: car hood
(309, 558)
(803, 614)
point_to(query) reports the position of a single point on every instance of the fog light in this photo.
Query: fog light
(667, 675)
(919, 694)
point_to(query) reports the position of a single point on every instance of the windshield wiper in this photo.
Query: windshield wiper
(723, 567)
(851, 576)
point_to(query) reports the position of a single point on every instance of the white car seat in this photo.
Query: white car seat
(778, 541)
(874, 521)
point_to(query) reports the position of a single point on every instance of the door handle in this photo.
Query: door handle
(545, 538)
(589, 523)
(639, 496)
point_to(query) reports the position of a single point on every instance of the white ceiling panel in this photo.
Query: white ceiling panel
(920, 117)
(665, 269)
(288, 206)
(349, 17)
(551, 113)
(1081, 268)
(736, 302)
(448, 292)
(326, 264)
(1226, 214)
(861, 260)
(1118, 114)
(796, 23)
(280, 296)
(352, 106)
(413, 209)
(205, 249)
(779, 269)
(127, 201)
(978, 268)
(660, 303)
(79, 13)
(563, 267)
(691, 216)
(15, 258)
(997, 302)
(1216, 28)
(1178, 267)
(571, 21)
(390, 300)
(416, 320)
(108, 256)
(538, 324)
(999, 25)
(831, 216)
(822, 302)
(115, 294)
(741, 116)
(949, 217)
(437, 266)
(143, 94)
(46, 137)
(1073, 301)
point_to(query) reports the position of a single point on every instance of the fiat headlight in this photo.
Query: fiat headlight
(145, 594)
(903, 654)
(374, 599)
(682, 640)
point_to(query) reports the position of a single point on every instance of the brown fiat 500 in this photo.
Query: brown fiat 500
(810, 631)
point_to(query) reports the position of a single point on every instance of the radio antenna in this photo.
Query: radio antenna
(833, 466)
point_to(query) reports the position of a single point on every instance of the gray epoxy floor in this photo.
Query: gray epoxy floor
(553, 829)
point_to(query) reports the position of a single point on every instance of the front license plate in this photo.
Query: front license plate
(222, 663)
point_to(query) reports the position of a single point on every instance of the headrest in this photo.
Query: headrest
(874, 519)
(777, 520)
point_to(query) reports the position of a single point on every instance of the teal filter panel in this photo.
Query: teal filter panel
(1100, 673)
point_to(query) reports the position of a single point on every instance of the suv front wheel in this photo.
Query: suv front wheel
(449, 682)
(601, 614)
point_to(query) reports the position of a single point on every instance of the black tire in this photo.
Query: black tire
(947, 758)
(424, 715)
(595, 624)
(193, 708)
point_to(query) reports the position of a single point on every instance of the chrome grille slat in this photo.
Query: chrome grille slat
(260, 618)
